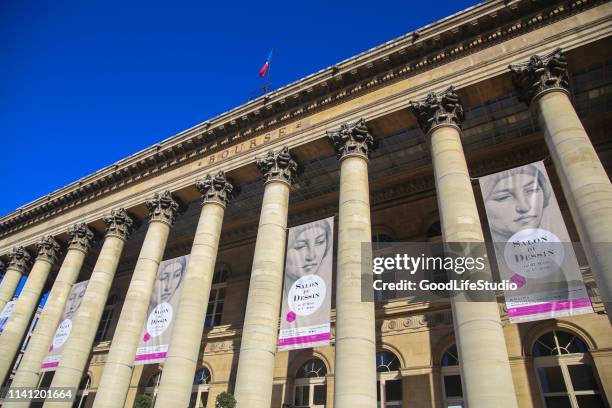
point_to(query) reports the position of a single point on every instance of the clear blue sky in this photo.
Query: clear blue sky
(86, 83)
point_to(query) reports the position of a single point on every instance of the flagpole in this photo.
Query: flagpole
(267, 82)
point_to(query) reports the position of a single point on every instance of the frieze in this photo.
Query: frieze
(440, 43)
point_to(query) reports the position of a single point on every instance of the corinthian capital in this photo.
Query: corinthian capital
(119, 224)
(19, 259)
(352, 139)
(81, 237)
(443, 108)
(48, 249)
(163, 207)
(540, 74)
(217, 189)
(278, 166)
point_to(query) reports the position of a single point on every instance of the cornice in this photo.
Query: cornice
(454, 37)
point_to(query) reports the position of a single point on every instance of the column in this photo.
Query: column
(355, 368)
(182, 359)
(48, 251)
(485, 368)
(542, 82)
(28, 373)
(77, 348)
(115, 381)
(260, 330)
(19, 262)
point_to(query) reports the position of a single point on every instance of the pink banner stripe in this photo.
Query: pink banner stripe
(50, 365)
(304, 339)
(151, 356)
(549, 307)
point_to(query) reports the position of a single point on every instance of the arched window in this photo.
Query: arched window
(565, 371)
(310, 385)
(106, 319)
(389, 380)
(217, 296)
(199, 392)
(82, 392)
(451, 378)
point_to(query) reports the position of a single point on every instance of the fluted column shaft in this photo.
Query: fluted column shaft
(117, 373)
(77, 348)
(355, 371)
(483, 356)
(19, 263)
(355, 356)
(26, 304)
(28, 373)
(18, 323)
(9, 284)
(260, 330)
(543, 82)
(115, 382)
(485, 368)
(585, 184)
(182, 359)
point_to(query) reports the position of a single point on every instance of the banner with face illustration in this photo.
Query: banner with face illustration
(307, 286)
(6, 314)
(156, 334)
(532, 245)
(75, 298)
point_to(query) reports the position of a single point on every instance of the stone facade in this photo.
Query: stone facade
(389, 142)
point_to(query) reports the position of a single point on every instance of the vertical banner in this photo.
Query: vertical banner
(75, 298)
(532, 245)
(307, 286)
(6, 314)
(160, 317)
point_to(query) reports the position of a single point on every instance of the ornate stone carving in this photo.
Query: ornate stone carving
(48, 249)
(352, 139)
(217, 189)
(81, 237)
(119, 224)
(278, 166)
(541, 73)
(163, 207)
(19, 259)
(443, 108)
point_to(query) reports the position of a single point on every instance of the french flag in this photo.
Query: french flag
(266, 65)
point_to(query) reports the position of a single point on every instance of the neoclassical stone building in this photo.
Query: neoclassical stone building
(389, 142)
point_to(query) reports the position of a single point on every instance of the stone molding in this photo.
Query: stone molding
(119, 224)
(217, 189)
(19, 259)
(352, 139)
(435, 44)
(438, 109)
(163, 208)
(48, 249)
(541, 74)
(81, 237)
(278, 166)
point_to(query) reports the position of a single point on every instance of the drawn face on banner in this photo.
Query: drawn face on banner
(516, 200)
(169, 280)
(75, 299)
(307, 248)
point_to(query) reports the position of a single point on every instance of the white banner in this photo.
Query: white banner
(156, 334)
(6, 314)
(307, 287)
(75, 298)
(532, 245)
